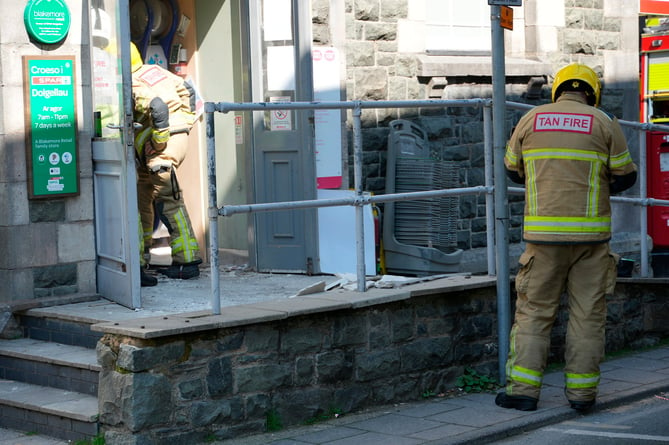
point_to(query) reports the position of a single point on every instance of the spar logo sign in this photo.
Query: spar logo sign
(51, 127)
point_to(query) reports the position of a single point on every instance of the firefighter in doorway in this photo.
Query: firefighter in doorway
(571, 156)
(163, 108)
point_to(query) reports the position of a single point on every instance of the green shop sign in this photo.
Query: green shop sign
(51, 127)
(47, 21)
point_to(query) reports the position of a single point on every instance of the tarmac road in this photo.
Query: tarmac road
(641, 422)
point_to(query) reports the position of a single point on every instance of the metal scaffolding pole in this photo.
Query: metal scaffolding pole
(213, 209)
(359, 215)
(501, 199)
(490, 183)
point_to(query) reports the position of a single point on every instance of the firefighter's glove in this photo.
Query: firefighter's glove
(160, 113)
(160, 116)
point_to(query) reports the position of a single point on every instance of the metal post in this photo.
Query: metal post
(359, 209)
(213, 210)
(643, 215)
(489, 182)
(501, 201)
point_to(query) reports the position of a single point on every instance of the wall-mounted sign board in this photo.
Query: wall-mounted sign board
(51, 126)
(47, 21)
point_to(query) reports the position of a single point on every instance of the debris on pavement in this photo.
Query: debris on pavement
(350, 281)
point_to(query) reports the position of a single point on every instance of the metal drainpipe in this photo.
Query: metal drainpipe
(213, 210)
(501, 200)
(359, 209)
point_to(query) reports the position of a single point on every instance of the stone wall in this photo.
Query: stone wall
(48, 245)
(595, 32)
(222, 383)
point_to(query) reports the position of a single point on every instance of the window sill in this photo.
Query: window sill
(447, 66)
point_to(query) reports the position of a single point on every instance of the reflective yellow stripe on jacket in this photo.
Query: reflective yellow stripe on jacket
(588, 223)
(141, 138)
(621, 160)
(565, 224)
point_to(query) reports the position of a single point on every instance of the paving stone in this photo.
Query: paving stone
(329, 435)
(477, 417)
(642, 364)
(635, 376)
(441, 432)
(395, 424)
(427, 409)
(376, 439)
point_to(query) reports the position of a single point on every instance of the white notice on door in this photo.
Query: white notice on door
(280, 120)
(664, 162)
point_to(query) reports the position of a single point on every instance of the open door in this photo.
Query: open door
(114, 176)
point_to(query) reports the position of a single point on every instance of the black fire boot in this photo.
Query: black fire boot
(521, 403)
(582, 406)
(146, 279)
(182, 271)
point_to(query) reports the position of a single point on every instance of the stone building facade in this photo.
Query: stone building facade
(223, 377)
(387, 60)
(48, 245)
(392, 49)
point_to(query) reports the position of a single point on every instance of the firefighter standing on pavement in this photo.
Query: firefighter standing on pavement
(163, 105)
(571, 156)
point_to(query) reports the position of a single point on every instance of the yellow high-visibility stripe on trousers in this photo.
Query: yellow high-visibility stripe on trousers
(574, 380)
(519, 374)
(184, 243)
(525, 375)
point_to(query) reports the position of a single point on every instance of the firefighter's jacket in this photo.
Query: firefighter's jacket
(567, 153)
(149, 82)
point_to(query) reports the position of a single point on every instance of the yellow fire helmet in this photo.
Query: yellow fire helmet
(577, 77)
(136, 61)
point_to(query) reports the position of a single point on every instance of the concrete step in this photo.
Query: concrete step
(44, 324)
(72, 368)
(53, 412)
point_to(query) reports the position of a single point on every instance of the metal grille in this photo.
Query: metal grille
(428, 222)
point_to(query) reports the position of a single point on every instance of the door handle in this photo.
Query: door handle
(135, 125)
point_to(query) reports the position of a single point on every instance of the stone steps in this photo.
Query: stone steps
(50, 388)
(72, 368)
(53, 412)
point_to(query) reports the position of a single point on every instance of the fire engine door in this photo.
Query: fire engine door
(655, 109)
(658, 187)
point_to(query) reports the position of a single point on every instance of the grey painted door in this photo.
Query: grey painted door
(283, 156)
(114, 177)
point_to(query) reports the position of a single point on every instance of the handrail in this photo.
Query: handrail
(360, 199)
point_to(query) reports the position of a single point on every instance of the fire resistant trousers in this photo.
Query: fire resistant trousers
(156, 181)
(588, 273)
